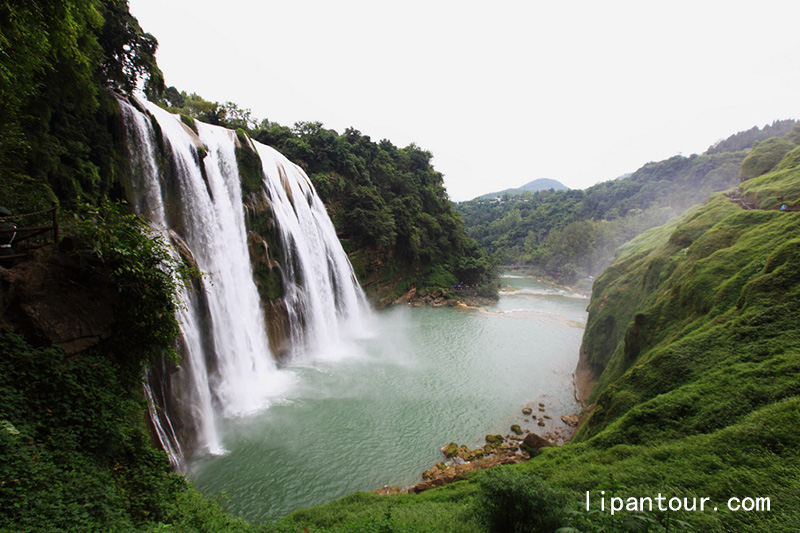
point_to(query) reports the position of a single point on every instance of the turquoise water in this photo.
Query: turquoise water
(377, 409)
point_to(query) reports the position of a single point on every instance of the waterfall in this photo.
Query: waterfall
(187, 181)
(324, 290)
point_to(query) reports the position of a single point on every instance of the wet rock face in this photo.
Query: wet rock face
(52, 299)
(265, 256)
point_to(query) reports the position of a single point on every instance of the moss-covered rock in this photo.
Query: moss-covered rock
(451, 450)
(494, 440)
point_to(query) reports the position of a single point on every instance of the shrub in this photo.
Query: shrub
(514, 500)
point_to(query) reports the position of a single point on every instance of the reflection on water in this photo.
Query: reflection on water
(377, 411)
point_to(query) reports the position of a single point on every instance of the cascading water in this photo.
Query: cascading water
(189, 185)
(325, 290)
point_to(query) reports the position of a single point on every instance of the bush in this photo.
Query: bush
(138, 262)
(513, 500)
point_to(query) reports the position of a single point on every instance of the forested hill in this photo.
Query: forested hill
(569, 235)
(541, 184)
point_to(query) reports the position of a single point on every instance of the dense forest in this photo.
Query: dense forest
(569, 235)
(59, 61)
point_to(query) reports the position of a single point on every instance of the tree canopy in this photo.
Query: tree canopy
(57, 61)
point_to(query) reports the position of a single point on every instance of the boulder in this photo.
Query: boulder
(451, 450)
(54, 298)
(533, 443)
(526, 410)
(516, 429)
(494, 440)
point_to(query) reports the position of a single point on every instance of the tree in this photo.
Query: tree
(129, 53)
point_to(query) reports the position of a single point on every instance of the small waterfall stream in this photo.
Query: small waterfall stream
(188, 183)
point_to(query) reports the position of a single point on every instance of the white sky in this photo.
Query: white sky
(500, 92)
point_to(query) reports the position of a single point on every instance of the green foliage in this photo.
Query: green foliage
(194, 106)
(450, 509)
(516, 501)
(744, 140)
(138, 262)
(80, 456)
(189, 121)
(776, 188)
(128, 52)
(74, 451)
(250, 169)
(439, 277)
(268, 281)
(57, 60)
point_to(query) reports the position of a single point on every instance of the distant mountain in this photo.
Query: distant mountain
(542, 184)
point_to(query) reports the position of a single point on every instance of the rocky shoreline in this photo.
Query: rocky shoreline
(413, 298)
(517, 446)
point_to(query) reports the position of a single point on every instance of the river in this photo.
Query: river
(376, 409)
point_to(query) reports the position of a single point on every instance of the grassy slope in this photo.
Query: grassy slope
(697, 324)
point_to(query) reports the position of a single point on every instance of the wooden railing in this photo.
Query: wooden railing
(26, 233)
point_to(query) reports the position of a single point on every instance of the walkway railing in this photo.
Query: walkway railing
(25, 232)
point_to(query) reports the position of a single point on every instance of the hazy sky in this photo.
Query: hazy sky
(500, 92)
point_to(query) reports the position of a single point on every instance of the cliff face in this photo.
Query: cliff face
(51, 298)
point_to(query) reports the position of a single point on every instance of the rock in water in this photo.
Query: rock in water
(450, 450)
(570, 420)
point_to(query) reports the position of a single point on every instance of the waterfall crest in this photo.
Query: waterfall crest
(188, 182)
